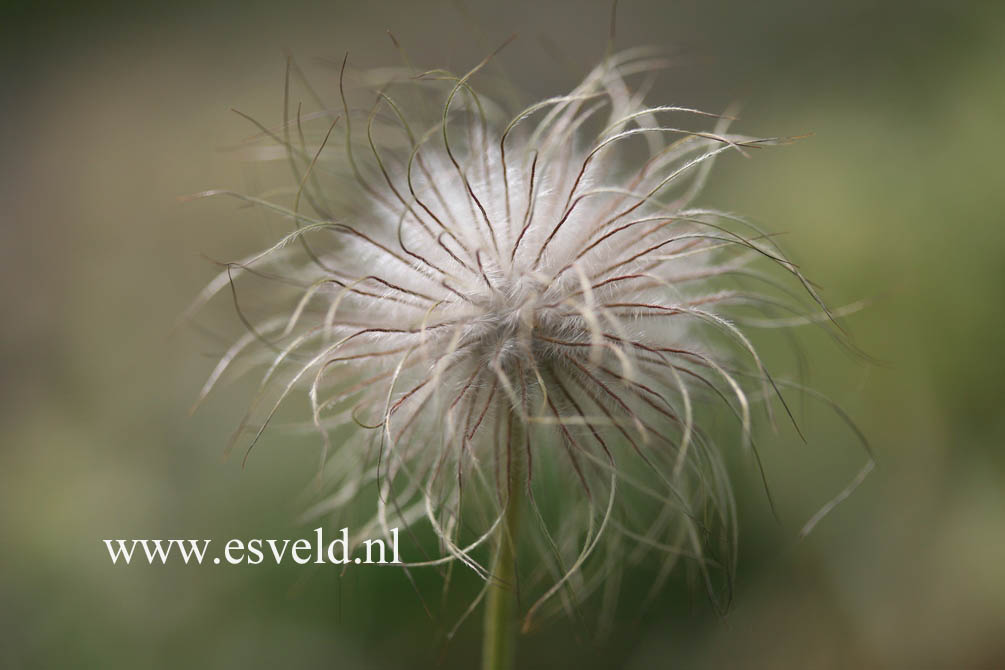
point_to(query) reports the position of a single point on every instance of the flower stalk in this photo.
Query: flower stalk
(499, 636)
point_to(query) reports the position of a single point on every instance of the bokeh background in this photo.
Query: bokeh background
(109, 112)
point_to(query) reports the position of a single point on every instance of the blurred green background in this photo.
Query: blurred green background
(111, 111)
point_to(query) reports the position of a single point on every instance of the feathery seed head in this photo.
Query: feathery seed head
(532, 293)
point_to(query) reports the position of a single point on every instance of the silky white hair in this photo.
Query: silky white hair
(473, 284)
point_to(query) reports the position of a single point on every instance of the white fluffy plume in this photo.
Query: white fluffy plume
(475, 289)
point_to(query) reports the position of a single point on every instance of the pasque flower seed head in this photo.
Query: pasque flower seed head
(481, 305)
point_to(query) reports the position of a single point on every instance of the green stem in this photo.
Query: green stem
(499, 637)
